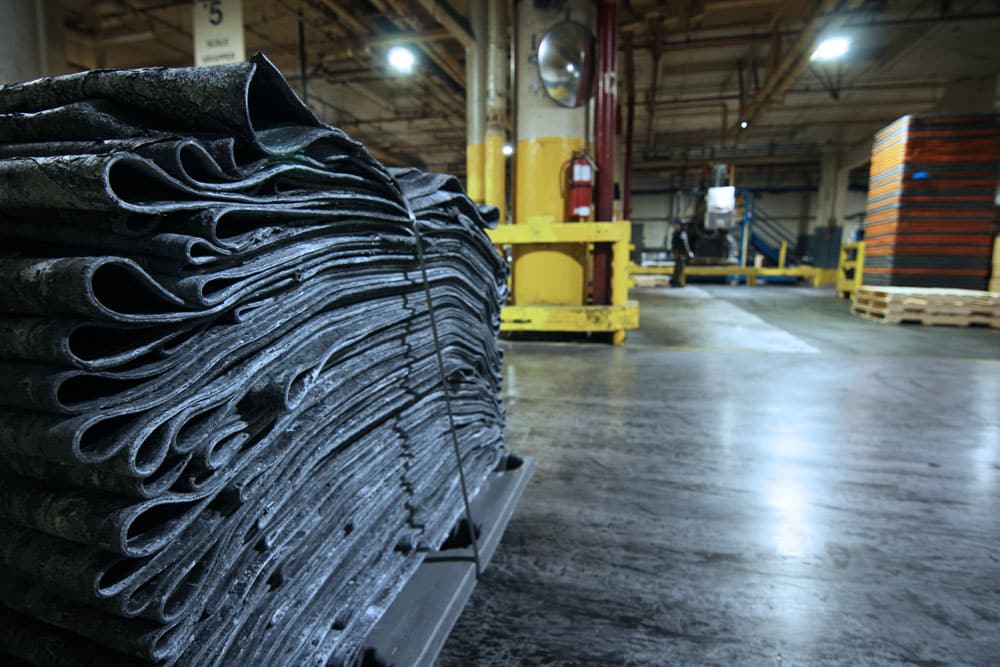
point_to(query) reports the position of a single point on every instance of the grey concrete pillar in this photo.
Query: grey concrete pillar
(475, 103)
(805, 213)
(831, 200)
(31, 40)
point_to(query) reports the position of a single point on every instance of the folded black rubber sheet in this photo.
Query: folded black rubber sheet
(223, 431)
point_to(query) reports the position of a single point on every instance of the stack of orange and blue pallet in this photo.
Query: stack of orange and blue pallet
(931, 200)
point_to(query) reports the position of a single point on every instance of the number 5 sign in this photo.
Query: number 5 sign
(218, 32)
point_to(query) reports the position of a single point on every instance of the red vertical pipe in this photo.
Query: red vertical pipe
(604, 139)
(657, 30)
(629, 125)
(605, 105)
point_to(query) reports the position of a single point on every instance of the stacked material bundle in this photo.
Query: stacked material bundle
(224, 432)
(929, 221)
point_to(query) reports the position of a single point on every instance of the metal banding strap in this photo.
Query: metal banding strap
(470, 525)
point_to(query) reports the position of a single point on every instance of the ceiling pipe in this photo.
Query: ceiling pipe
(654, 80)
(745, 161)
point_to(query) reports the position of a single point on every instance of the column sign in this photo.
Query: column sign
(218, 32)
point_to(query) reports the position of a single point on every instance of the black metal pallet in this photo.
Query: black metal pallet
(413, 630)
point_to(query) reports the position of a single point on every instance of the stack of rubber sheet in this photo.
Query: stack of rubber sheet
(223, 429)
(929, 221)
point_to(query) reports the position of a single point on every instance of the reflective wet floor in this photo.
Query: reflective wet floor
(757, 479)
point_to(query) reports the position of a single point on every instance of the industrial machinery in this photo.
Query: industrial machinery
(734, 239)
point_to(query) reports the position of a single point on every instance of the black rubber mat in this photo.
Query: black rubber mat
(223, 427)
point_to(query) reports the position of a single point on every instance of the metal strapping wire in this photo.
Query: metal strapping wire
(471, 526)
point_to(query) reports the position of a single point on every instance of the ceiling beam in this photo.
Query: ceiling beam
(109, 39)
(345, 17)
(398, 14)
(441, 12)
(352, 47)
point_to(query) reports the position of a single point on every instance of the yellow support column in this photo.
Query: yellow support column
(495, 171)
(551, 273)
(474, 173)
(548, 135)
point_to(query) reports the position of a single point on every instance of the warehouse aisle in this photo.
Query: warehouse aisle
(812, 490)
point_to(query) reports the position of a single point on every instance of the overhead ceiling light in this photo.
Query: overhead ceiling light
(831, 48)
(402, 59)
(507, 150)
(744, 125)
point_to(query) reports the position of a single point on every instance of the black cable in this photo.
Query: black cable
(444, 387)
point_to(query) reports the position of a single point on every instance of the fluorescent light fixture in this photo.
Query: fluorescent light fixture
(744, 125)
(402, 59)
(831, 48)
(507, 150)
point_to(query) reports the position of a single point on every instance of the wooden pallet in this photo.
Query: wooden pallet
(944, 308)
(926, 318)
(932, 296)
(931, 306)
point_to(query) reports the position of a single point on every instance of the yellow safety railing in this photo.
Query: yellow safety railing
(850, 269)
(817, 276)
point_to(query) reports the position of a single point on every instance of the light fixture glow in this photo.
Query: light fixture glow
(744, 125)
(831, 48)
(507, 150)
(402, 59)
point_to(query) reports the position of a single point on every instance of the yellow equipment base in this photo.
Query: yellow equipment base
(583, 319)
(615, 318)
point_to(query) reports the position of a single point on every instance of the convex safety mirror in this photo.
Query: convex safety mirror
(566, 63)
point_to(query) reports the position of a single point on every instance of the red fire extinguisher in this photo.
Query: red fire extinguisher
(580, 186)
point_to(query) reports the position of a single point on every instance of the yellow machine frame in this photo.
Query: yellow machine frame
(616, 318)
(846, 286)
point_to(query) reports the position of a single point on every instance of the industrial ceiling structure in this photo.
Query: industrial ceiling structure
(702, 68)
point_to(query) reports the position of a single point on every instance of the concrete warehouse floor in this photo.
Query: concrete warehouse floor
(757, 479)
